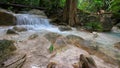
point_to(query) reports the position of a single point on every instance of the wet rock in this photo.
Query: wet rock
(33, 36)
(7, 18)
(118, 25)
(64, 28)
(75, 40)
(19, 29)
(11, 31)
(117, 45)
(6, 49)
(52, 36)
(116, 29)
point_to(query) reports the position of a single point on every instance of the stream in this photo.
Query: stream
(37, 25)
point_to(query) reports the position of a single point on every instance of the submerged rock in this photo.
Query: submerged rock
(19, 29)
(7, 18)
(65, 28)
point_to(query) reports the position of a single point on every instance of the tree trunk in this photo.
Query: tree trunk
(70, 12)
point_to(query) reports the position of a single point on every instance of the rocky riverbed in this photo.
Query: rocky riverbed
(32, 42)
(68, 46)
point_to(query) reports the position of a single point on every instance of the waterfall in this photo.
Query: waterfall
(34, 22)
(31, 21)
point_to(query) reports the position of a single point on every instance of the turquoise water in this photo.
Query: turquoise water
(114, 34)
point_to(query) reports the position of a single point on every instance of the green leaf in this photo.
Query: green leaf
(51, 48)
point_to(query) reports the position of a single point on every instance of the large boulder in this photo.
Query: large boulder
(37, 12)
(96, 22)
(7, 18)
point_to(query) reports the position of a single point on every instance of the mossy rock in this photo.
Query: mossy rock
(6, 49)
(11, 31)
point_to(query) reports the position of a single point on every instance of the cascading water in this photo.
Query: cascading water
(34, 22)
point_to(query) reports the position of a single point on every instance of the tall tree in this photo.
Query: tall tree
(70, 12)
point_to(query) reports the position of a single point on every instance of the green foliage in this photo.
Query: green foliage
(93, 5)
(51, 48)
(62, 3)
(115, 6)
(24, 2)
(95, 26)
(51, 5)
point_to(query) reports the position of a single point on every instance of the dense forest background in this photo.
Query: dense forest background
(87, 5)
(81, 8)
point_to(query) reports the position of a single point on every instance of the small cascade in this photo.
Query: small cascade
(34, 22)
(31, 21)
